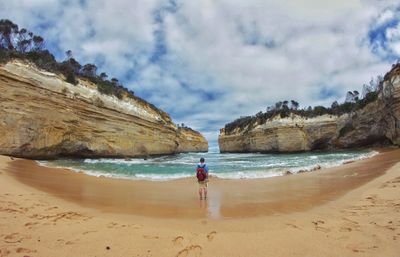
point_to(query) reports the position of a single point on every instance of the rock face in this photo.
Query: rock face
(377, 123)
(190, 141)
(42, 116)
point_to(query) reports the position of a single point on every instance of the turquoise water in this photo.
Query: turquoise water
(229, 166)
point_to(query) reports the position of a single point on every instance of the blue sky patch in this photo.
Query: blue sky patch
(378, 36)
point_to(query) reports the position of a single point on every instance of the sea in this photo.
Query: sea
(221, 165)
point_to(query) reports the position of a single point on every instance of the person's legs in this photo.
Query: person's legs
(200, 193)
(200, 190)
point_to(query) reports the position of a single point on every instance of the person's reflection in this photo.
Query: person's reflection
(204, 207)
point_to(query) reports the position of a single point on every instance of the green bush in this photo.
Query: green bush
(71, 78)
(43, 59)
(4, 56)
(105, 87)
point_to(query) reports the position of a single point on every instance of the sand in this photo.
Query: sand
(351, 210)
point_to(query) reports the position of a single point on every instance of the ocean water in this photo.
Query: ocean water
(228, 166)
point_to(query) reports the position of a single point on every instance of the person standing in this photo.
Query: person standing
(202, 178)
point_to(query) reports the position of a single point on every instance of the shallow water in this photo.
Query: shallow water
(228, 166)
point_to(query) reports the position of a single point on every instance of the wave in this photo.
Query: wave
(224, 166)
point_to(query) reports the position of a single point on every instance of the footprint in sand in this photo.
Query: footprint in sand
(356, 248)
(349, 225)
(211, 235)
(177, 240)
(69, 243)
(150, 237)
(135, 226)
(25, 250)
(4, 252)
(320, 228)
(360, 248)
(51, 208)
(391, 183)
(190, 251)
(87, 232)
(345, 229)
(63, 215)
(30, 225)
(116, 225)
(15, 238)
(292, 225)
(112, 225)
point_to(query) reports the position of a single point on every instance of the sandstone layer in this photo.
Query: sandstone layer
(42, 116)
(376, 124)
(190, 141)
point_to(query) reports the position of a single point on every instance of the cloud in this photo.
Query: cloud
(209, 62)
(384, 36)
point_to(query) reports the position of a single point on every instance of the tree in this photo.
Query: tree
(7, 29)
(335, 105)
(68, 53)
(103, 76)
(115, 81)
(89, 70)
(38, 43)
(24, 40)
(70, 68)
(294, 105)
(278, 105)
(366, 89)
(24, 45)
(349, 97)
(356, 95)
(320, 110)
(379, 84)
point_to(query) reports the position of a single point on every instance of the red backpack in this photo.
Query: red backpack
(201, 173)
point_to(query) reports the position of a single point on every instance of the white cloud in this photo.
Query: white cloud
(224, 58)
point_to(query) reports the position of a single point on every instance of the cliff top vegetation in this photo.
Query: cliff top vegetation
(19, 43)
(354, 101)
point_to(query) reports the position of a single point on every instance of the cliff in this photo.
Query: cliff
(377, 123)
(42, 116)
(191, 141)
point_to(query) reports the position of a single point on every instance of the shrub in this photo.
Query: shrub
(70, 78)
(43, 59)
(4, 56)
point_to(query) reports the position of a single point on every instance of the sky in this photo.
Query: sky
(209, 62)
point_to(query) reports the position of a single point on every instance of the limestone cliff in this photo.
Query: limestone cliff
(191, 141)
(377, 123)
(42, 116)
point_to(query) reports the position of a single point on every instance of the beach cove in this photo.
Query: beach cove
(350, 210)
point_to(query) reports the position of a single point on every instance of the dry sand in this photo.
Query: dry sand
(352, 210)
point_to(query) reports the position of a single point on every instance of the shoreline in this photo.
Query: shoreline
(229, 198)
(361, 220)
(285, 171)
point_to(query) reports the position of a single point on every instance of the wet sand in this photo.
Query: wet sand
(351, 210)
(227, 198)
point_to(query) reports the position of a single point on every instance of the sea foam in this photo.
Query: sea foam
(225, 166)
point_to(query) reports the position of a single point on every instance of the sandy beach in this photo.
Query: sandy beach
(351, 210)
